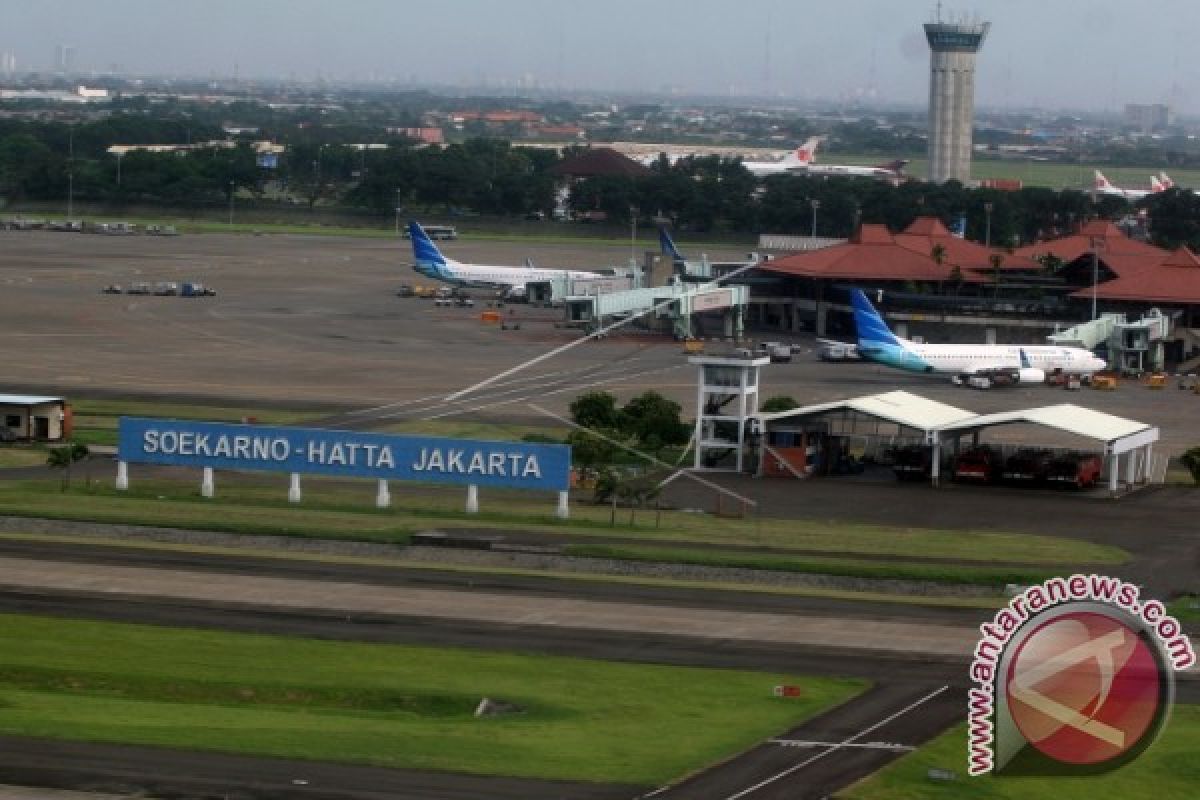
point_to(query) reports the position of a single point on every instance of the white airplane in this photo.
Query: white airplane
(890, 170)
(978, 365)
(1167, 183)
(796, 161)
(430, 262)
(1102, 185)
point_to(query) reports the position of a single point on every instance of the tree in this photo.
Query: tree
(591, 451)
(1191, 460)
(779, 402)
(595, 410)
(63, 457)
(653, 421)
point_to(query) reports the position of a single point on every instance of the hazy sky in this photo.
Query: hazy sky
(1094, 54)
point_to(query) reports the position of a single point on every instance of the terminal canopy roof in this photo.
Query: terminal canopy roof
(901, 408)
(1119, 435)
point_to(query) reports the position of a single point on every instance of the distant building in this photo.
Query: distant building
(1148, 118)
(422, 135)
(64, 58)
(8, 63)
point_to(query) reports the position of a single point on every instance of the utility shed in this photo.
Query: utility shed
(1123, 439)
(33, 417)
(801, 438)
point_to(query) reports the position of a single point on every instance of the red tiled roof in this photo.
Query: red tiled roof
(600, 161)
(925, 232)
(1174, 279)
(873, 254)
(1115, 247)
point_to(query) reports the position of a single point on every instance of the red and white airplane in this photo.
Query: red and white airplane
(797, 161)
(889, 171)
(1102, 185)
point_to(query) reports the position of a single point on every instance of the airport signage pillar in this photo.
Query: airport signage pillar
(563, 510)
(935, 459)
(383, 498)
(294, 495)
(206, 483)
(472, 499)
(122, 476)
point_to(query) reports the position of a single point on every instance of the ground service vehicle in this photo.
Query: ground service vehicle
(911, 462)
(981, 464)
(166, 288)
(1080, 470)
(139, 288)
(197, 290)
(1028, 466)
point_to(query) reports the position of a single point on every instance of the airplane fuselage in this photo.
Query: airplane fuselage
(957, 359)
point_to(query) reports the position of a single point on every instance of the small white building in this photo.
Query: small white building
(34, 418)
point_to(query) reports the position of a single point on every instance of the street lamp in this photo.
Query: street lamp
(397, 212)
(70, 172)
(1097, 244)
(231, 188)
(815, 203)
(987, 234)
(633, 215)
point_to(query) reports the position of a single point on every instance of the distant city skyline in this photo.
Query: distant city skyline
(1071, 54)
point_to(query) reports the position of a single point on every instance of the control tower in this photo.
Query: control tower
(952, 49)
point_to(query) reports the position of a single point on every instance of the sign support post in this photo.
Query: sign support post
(294, 489)
(206, 483)
(472, 499)
(122, 476)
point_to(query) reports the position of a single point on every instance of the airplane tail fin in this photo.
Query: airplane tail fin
(1166, 181)
(872, 330)
(805, 153)
(668, 246)
(1100, 181)
(896, 166)
(1024, 359)
(427, 259)
(1155, 184)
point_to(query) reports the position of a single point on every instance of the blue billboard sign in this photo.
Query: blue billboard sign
(515, 465)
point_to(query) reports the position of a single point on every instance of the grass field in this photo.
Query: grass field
(96, 420)
(344, 510)
(1168, 770)
(391, 705)
(22, 456)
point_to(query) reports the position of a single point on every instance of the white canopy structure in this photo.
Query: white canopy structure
(1120, 437)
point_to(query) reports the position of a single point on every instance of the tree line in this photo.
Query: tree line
(40, 160)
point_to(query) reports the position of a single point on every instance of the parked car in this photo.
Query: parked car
(404, 291)
(139, 288)
(166, 288)
(464, 302)
(112, 288)
(197, 290)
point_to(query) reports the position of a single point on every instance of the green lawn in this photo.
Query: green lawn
(344, 510)
(391, 705)
(1169, 769)
(22, 456)
(96, 420)
(889, 569)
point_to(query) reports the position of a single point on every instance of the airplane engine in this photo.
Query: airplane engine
(1031, 375)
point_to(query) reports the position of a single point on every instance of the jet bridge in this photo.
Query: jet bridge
(676, 307)
(1133, 346)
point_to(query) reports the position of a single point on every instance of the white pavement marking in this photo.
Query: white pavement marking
(840, 745)
(892, 636)
(899, 748)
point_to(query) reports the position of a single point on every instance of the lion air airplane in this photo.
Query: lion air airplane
(978, 365)
(1103, 186)
(430, 262)
(796, 161)
(1167, 183)
(888, 171)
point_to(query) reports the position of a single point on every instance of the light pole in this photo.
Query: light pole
(397, 212)
(119, 170)
(70, 172)
(987, 231)
(815, 203)
(633, 215)
(1097, 245)
(231, 188)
